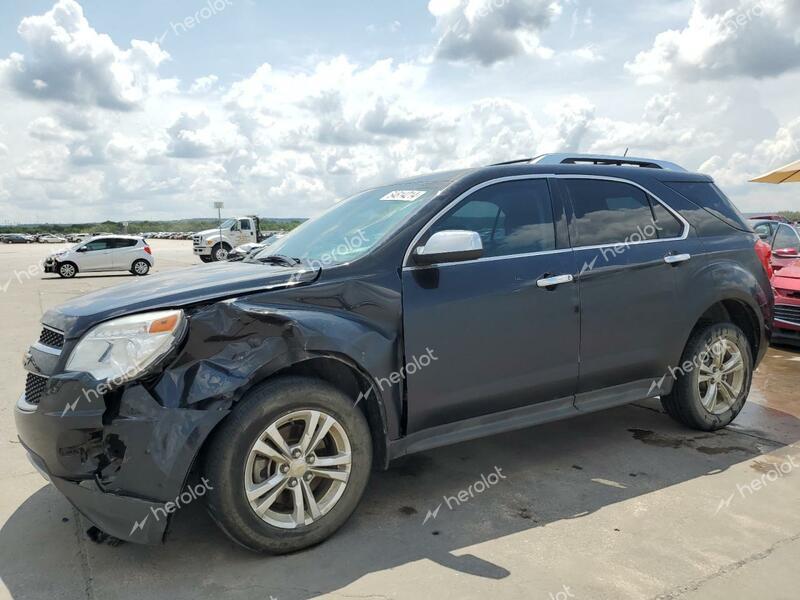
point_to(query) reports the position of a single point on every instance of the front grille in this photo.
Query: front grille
(34, 388)
(52, 338)
(788, 313)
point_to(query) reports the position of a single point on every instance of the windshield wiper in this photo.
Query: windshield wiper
(280, 259)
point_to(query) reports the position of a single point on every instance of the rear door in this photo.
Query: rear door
(125, 252)
(628, 246)
(494, 340)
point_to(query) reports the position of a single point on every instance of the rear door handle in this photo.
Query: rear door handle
(548, 282)
(674, 259)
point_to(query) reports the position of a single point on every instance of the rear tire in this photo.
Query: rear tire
(710, 394)
(140, 267)
(239, 475)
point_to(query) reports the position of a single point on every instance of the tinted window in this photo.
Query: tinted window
(515, 217)
(122, 243)
(667, 224)
(245, 224)
(786, 238)
(712, 199)
(98, 245)
(610, 212)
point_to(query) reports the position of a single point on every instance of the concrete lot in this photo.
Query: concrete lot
(620, 504)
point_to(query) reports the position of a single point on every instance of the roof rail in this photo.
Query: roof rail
(605, 160)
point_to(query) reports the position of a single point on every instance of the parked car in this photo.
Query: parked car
(77, 237)
(51, 239)
(786, 284)
(247, 250)
(428, 312)
(767, 217)
(783, 239)
(16, 238)
(109, 253)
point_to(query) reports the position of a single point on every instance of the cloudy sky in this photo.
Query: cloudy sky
(147, 109)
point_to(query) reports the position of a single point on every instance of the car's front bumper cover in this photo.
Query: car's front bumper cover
(118, 458)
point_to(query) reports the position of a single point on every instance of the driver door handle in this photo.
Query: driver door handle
(548, 282)
(674, 259)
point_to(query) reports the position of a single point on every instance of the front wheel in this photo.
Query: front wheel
(206, 259)
(713, 381)
(67, 270)
(288, 466)
(220, 252)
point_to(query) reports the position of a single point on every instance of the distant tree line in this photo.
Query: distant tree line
(135, 227)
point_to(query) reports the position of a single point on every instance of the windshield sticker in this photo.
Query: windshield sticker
(403, 195)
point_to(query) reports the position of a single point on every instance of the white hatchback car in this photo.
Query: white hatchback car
(105, 253)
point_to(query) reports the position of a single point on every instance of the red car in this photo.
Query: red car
(786, 283)
(783, 239)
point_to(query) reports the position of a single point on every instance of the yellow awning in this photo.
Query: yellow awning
(788, 174)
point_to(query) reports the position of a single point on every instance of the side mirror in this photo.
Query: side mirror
(787, 253)
(449, 246)
(81, 249)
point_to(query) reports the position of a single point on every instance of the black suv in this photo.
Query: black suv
(428, 312)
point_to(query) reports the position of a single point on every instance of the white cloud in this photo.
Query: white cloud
(489, 31)
(723, 39)
(67, 60)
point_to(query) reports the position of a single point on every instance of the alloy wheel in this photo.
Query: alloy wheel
(298, 469)
(221, 254)
(67, 270)
(721, 376)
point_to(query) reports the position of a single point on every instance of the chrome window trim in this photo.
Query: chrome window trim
(458, 199)
(686, 226)
(785, 226)
(480, 186)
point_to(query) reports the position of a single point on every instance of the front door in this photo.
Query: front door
(97, 255)
(495, 340)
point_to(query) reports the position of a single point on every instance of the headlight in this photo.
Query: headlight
(122, 349)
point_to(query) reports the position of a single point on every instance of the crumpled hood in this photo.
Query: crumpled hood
(173, 289)
(790, 272)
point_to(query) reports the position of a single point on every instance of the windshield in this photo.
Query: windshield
(227, 224)
(354, 226)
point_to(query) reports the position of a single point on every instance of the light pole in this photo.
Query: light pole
(219, 206)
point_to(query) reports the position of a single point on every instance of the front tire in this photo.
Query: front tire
(67, 270)
(206, 259)
(220, 252)
(712, 393)
(288, 467)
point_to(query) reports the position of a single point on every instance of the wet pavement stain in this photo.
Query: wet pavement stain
(652, 438)
(712, 450)
(408, 510)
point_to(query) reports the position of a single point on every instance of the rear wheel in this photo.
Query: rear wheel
(140, 267)
(711, 393)
(288, 466)
(67, 270)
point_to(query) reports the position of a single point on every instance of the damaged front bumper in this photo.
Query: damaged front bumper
(119, 459)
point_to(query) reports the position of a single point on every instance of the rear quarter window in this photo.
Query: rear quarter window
(710, 198)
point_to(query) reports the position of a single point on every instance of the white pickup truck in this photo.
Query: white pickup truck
(210, 247)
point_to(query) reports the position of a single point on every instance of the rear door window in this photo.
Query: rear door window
(610, 212)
